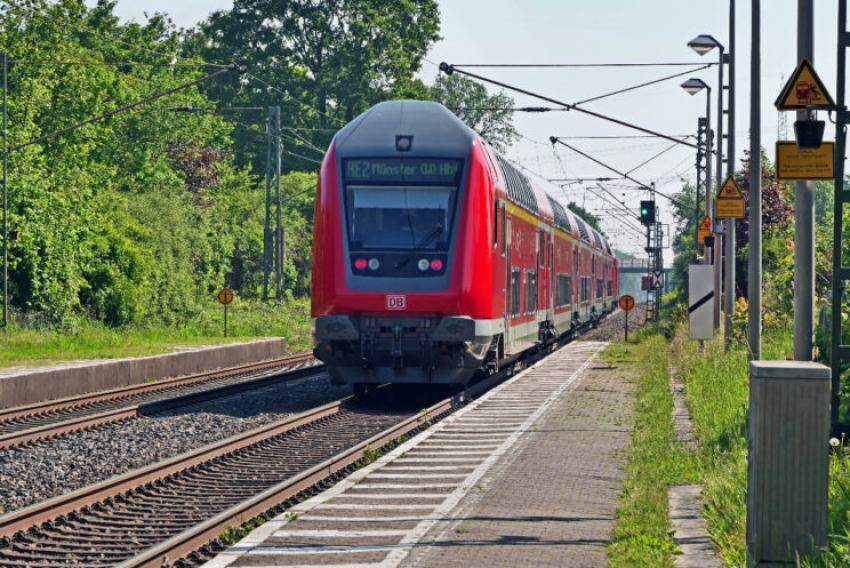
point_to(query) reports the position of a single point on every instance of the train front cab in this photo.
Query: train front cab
(401, 288)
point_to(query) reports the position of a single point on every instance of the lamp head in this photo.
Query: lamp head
(704, 43)
(693, 85)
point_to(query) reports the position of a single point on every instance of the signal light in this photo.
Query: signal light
(647, 212)
(360, 264)
(374, 264)
(423, 264)
(436, 264)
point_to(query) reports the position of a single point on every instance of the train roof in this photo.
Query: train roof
(436, 131)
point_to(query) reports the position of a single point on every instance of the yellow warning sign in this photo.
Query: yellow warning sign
(730, 201)
(795, 163)
(804, 90)
(704, 230)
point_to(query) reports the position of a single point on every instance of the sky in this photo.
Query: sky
(607, 31)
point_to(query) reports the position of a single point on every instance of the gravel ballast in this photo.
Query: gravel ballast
(55, 467)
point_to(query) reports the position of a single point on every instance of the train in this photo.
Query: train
(435, 257)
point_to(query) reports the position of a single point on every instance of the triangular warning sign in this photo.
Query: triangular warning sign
(804, 90)
(730, 190)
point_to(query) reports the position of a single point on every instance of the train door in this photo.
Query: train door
(508, 284)
(551, 292)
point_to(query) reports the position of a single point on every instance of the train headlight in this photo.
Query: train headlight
(374, 264)
(436, 264)
(423, 264)
(360, 264)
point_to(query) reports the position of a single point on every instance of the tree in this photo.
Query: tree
(323, 61)
(587, 216)
(489, 115)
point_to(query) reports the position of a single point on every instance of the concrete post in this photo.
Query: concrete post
(788, 460)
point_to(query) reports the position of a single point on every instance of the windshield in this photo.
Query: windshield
(398, 217)
(410, 207)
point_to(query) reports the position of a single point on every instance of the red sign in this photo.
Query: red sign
(397, 302)
(627, 303)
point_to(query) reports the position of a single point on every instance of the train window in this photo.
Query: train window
(565, 290)
(599, 288)
(585, 285)
(593, 265)
(610, 287)
(531, 293)
(504, 228)
(515, 284)
(541, 249)
(496, 224)
(401, 204)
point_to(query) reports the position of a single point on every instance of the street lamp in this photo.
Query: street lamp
(702, 44)
(693, 86)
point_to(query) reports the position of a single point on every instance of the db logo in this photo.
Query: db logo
(397, 302)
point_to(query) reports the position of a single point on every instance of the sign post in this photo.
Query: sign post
(225, 297)
(627, 304)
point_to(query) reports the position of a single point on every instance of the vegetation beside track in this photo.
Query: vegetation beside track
(656, 459)
(718, 399)
(84, 338)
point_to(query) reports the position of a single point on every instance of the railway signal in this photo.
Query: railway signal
(647, 212)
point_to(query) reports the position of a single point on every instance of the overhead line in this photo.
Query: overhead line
(641, 85)
(622, 174)
(648, 160)
(449, 69)
(578, 65)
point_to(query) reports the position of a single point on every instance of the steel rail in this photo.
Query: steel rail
(51, 509)
(277, 372)
(202, 534)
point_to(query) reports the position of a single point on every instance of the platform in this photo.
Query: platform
(528, 475)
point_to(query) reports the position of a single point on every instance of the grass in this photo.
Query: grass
(87, 339)
(718, 396)
(656, 460)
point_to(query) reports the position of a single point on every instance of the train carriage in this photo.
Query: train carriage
(434, 256)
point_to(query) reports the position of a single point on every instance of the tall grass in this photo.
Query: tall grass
(717, 390)
(656, 459)
(84, 338)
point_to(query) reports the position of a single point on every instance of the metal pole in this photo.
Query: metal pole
(730, 171)
(838, 267)
(754, 277)
(267, 235)
(700, 149)
(709, 148)
(225, 320)
(5, 62)
(627, 325)
(804, 214)
(279, 233)
(718, 255)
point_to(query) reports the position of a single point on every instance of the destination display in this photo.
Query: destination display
(403, 170)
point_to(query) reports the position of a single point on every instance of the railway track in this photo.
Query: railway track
(50, 419)
(174, 509)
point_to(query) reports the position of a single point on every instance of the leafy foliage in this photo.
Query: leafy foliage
(489, 115)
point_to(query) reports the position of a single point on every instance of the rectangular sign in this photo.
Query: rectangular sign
(396, 302)
(794, 163)
(701, 301)
(730, 208)
(403, 170)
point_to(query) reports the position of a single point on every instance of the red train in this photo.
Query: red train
(435, 257)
